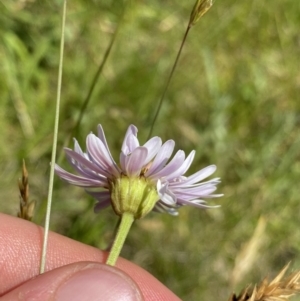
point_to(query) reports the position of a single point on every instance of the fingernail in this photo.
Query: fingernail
(105, 283)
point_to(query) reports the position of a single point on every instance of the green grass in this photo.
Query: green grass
(234, 99)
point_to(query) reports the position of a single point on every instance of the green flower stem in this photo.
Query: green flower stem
(126, 221)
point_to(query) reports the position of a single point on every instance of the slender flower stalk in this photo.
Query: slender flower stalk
(145, 180)
(126, 222)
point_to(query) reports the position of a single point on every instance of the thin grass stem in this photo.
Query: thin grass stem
(169, 80)
(54, 146)
(94, 82)
(199, 9)
(95, 79)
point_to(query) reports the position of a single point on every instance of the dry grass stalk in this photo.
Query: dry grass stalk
(26, 206)
(279, 289)
(248, 254)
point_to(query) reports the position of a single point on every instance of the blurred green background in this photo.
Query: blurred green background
(234, 99)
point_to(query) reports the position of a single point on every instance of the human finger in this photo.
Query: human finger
(20, 251)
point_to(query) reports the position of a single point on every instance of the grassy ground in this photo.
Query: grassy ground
(234, 99)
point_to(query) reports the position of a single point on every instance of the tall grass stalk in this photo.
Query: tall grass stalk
(168, 81)
(94, 82)
(54, 146)
(199, 9)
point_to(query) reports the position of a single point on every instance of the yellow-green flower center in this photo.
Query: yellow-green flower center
(133, 195)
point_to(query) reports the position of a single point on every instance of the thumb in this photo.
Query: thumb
(82, 281)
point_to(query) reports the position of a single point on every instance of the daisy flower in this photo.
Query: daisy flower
(146, 178)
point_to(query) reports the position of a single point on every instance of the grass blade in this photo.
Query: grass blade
(50, 189)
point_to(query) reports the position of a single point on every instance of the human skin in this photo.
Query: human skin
(72, 269)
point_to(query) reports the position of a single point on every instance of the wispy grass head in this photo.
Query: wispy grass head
(279, 289)
(200, 8)
(26, 206)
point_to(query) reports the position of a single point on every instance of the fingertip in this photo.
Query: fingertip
(81, 281)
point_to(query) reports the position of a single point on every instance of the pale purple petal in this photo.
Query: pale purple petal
(136, 161)
(212, 196)
(77, 148)
(82, 170)
(200, 175)
(183, 168)
(187, 195)
(76, 158)
(131, 144)
(100, 156)
(181, 184)
(102, 197)
(195, 189)
(159, 207)
(130, 141)
(161, 158)
(102, 205)
(78, 180)
(165, 195)
(175, 163)
(153, 145)
(101, 136)
(123, 160)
